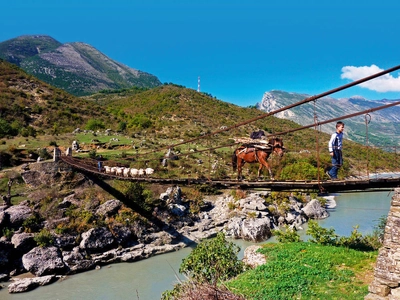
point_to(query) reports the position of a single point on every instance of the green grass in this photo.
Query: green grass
(307, 271)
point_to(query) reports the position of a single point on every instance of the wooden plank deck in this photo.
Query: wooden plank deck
(327, 186)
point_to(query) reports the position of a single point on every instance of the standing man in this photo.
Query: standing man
(100, 163)
(335, 151)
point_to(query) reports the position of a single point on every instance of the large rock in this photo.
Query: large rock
(23, 242)
(256, 230)
(28, 284)
(314, 210)
(17, 214)
(44, 261)
(252, 258)
(65, 241)
(109, 208)
(76, 261)
(97, 240)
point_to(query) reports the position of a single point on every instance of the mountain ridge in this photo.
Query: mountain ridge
(76, 67)
(383, 125)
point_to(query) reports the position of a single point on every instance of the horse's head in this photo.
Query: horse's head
(277, 146)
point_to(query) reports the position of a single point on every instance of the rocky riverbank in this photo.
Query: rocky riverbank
(48, 257)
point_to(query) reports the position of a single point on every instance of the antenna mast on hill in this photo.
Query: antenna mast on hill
(198, 84)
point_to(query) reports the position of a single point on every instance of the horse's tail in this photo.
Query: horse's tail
(234, 161)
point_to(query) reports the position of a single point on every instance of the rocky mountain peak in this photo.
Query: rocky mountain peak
(383, 128)
(76, 67)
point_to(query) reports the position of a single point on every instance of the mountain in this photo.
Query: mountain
(29, 106)
(77, 68)
(383, 125)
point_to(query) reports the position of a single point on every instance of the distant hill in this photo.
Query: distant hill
(383, 128)
(29, 106)
(77, 68)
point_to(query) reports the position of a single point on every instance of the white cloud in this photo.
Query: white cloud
(383, 84)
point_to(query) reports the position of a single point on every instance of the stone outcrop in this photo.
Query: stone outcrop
(27, 284)
(314, 210)
(44, 261)
(386, 282)
(14, 216)
(97, 240)
(252, 258)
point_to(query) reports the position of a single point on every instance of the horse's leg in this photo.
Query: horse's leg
(259, 170)
(263, 162)
(239, 167)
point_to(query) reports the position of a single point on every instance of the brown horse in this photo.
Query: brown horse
(252, 154)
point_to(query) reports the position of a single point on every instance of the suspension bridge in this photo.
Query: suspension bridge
(365, 182)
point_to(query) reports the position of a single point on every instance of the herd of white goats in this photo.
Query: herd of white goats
(128, 172)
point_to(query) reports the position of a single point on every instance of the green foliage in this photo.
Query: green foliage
(6, 129)
(138, 194)
(321, 235)
(93, 154)
(44, 238)
(8, 233)
(300, 170)
(289, 235)
(379, 229)
(94, 124)
(121, 126)
(213, 260)
(33, 223)
(306, 271)
(140, 121)
(356, 240)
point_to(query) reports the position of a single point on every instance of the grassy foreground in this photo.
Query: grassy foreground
(307, 271)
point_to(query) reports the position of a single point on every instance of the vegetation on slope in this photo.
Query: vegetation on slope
(150, 121)
(325, 266)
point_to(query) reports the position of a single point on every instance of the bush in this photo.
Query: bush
(94, 125)
(300, 171)
(355, 241)
(289, 235)
(213, 261)
(44, 238)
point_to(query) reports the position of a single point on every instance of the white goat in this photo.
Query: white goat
(107, 169)
(134, 172)
(149, 171)
(141, 172)
(126, 172)
(119, 171)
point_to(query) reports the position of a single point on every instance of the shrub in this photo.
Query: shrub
(94, 125)
(300, 171)
(289, 235)
(321, 235)
(8, 233)
(213, 261)
(44, 238)
(32, 223)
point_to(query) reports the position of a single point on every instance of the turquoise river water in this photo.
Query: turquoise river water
(147, 279)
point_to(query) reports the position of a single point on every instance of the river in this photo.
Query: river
(147, 279)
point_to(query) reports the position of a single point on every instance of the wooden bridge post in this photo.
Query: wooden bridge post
(56, 154)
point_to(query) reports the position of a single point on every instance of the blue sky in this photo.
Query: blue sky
(240, 49)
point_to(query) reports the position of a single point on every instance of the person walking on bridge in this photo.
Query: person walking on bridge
(335, 150)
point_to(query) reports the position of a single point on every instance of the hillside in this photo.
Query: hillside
(383, 128)
(76, 67)
(29, 106)
(152, 120)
